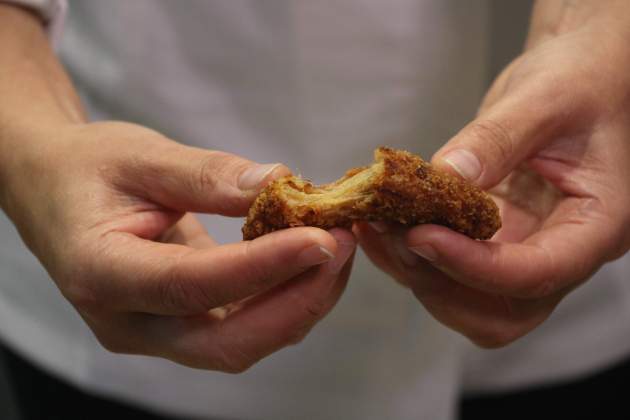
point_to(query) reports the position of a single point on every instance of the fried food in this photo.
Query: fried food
(398, 187)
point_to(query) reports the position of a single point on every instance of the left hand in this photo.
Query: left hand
(552, 141)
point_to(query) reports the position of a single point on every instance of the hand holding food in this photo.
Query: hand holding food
(112, 225)
(551, 144)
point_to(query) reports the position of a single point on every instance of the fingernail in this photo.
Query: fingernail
(251, 178)
(314, 255)
(379, 227)
(407, 257)
(465, 163)
(426, 251)
(344, 250)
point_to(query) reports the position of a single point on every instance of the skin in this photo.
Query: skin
(552, 144)
(106, 207)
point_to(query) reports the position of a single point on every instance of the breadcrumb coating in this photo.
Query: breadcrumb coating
(398, 187)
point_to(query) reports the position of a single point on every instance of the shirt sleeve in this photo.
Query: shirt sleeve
(52, 12)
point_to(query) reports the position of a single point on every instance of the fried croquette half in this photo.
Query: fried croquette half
(398, 187)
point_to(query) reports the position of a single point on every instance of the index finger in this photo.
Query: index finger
(137, 275)
(555, 258)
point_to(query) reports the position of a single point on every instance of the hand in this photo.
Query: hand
(105, 208)
(553, 139)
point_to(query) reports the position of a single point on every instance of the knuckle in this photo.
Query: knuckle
(82, 290)
(312, 308)
(300, 334)
(215, 166)
(236, 367)
(205, 178)
(495, 137)
(215, 172)
(233, 360)
(80, 294)
(536, 277)
(316, 309)
(540, 283)
(495, 337)
(259, 274)
(84, 282)
(544, 287)
(181, 293)
(554, 93)
(171, 293)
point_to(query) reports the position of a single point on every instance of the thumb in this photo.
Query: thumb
(185, 179)
(498, 140)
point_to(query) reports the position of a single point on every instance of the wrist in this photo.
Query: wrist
(28, 155)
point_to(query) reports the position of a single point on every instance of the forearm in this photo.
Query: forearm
(551, 18)
(36, 95)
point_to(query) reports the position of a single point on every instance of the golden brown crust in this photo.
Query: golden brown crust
(398, 187)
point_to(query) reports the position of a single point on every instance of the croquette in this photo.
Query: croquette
(399, 187)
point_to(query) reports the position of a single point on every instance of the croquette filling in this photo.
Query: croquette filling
(347, 189)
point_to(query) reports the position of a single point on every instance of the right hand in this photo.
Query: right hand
(104, 207)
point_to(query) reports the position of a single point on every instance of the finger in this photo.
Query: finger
(189, 231)
(489, 320)
(265, 324)
(190, 179)
(555, 258)
(505, 134)
(383, 244)
(138, 275)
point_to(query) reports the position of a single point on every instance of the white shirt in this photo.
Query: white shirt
(317, 85)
